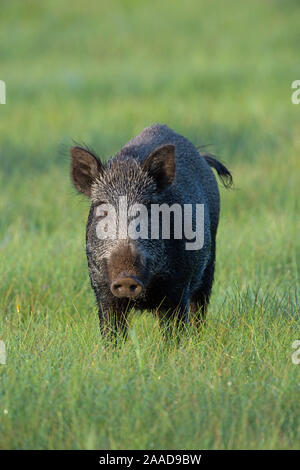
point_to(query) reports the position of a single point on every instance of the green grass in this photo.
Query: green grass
(99, 72)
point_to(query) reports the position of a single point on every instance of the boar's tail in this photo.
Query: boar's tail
(224, 174)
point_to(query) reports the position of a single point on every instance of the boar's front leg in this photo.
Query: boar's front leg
(200, 298)
(112, 322)
(112, 313)
(173, 313)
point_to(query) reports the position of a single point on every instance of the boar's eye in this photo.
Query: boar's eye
(101, 210)
(102, 213)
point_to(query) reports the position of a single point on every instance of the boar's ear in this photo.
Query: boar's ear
(160, 164)
(85, 167)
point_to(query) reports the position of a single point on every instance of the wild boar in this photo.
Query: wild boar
(148, 269)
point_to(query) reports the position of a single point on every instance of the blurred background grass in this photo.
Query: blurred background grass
(220, 73)
(103, 71)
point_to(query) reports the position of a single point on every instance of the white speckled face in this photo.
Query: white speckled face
(125, 210)
(122, 185)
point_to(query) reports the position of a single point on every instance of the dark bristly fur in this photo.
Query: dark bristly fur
(157, 166)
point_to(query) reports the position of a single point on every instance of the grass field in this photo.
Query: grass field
(220, 73)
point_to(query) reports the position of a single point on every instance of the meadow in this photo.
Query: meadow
(219, 73)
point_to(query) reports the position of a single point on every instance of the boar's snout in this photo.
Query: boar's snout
(129, 287)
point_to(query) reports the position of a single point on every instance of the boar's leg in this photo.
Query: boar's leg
(173, 315)
(113, 322)
(200, 298)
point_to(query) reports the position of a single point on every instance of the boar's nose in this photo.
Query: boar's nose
(126, 287)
